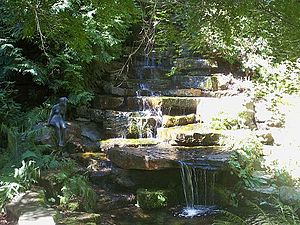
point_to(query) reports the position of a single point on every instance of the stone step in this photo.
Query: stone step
(194, 63)
(213, 82)
(198, 135)
(165, 156)
(171, 121)
(122, 142)
(168, 105)
(147, 84)
(194, 92)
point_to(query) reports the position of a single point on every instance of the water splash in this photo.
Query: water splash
(198, 182)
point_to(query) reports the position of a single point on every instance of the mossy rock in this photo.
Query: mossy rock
(171, 121)
(121, 142)
(80, 218)
(154, 199)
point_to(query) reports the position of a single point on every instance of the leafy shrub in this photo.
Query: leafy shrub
(224, 122)
(9, 109)
(75, 188)
(245, 158)
(276, 213)
(23, 178)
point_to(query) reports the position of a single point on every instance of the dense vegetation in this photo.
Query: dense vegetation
(65, 48)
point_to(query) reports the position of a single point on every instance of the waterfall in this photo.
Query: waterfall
(198, 182)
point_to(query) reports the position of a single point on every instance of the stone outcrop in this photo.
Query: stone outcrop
(165, 156)
(289, 195)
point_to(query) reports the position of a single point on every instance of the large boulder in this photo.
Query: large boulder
(165, 156)
(46, 134)
(122, 142)
(289, 195)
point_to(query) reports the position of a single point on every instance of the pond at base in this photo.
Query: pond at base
(136, 216)
(197, 211)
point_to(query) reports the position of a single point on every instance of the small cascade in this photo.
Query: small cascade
(198, 182)
(150, 118)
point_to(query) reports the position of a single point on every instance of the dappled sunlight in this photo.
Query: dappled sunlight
(286, 157)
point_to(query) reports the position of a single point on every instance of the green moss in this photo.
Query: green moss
(110, 143)
(154, 199)
(80, 218)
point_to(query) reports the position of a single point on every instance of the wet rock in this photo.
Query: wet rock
(107, 102)
(289, 195)
(154, 199)
(143, 126)
(171, 121)
(116, 123)
(148, 84)
(168, 105)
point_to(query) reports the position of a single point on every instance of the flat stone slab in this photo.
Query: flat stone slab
(165, 156)
(122, 142)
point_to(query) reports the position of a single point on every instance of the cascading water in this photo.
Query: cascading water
(150, 117)
(198, 182)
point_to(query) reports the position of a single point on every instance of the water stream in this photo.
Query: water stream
(198, 182)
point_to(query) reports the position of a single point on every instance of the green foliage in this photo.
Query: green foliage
(283, 178)
(224, 122)
(245, 158)
(75, 190)
(278, 215)
(154, 199)
(260, 36)
(67, 37)
(9, 109)
(43, 161)
(23, 178)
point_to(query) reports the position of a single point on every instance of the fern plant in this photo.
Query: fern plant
(276, 213)
(23, 178)
(75, 188)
